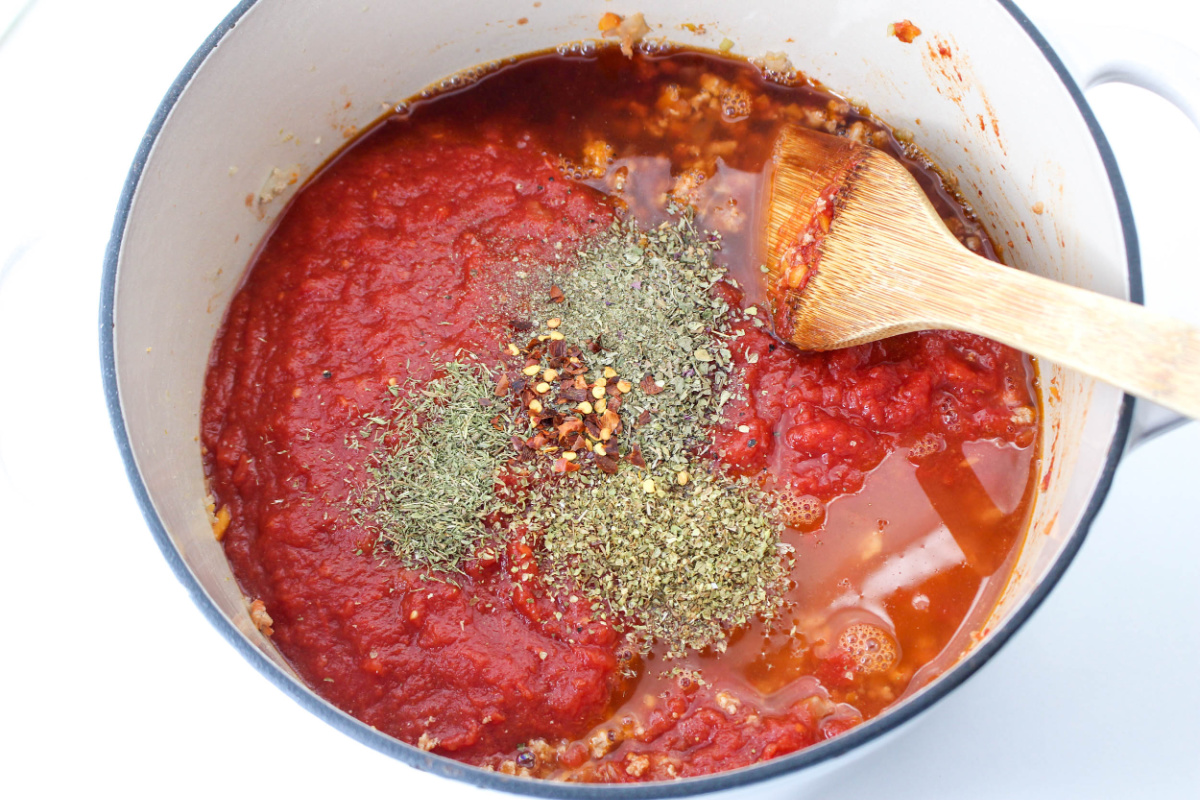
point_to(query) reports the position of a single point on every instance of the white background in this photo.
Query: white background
(113, 683)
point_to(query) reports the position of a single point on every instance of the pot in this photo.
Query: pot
(185, 232)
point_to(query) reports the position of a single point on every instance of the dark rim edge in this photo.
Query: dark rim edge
(452, 769)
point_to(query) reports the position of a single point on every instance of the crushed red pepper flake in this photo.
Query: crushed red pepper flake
(634, 456)
(650, 386)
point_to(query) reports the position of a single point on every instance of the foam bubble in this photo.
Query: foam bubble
(464, 78)
(802, 511)
(871, 647)
(927, 445)
(586, 48)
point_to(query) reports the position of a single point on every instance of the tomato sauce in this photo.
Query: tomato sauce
(909, 464)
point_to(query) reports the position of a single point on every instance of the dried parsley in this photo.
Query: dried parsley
(429, 491)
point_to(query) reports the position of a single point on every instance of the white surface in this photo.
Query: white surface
(113, 680)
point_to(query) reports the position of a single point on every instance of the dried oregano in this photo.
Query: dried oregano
(684, 564)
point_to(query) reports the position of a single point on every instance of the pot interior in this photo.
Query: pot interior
(279, 93)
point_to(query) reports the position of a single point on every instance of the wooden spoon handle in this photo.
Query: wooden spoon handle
(1121, 343)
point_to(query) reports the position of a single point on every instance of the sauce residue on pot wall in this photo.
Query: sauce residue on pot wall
(949, 70)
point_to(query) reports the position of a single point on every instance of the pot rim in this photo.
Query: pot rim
(448, 768)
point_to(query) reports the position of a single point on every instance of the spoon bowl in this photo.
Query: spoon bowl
(856, 253)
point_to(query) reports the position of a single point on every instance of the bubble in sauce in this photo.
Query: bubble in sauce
(871, 647)
(653, 47)
(463, 78)
(927, 445)
(802, 511)
(584, 48)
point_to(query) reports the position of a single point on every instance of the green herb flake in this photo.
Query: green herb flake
(683, 564)
(430, 490)
(646, 296)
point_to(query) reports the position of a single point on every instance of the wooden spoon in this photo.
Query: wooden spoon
(856, 253)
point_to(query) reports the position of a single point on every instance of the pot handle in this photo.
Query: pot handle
(1096, 55)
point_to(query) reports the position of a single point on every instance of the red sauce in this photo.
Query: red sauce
(910, 460)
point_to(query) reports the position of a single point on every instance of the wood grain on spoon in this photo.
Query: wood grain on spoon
(856, 253)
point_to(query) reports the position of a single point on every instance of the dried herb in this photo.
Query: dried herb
(432, 485)
(644, 299)
(683, 564)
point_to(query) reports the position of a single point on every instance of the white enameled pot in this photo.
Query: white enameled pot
(280, 85)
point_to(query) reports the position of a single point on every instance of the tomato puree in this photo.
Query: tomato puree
(905, 467)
